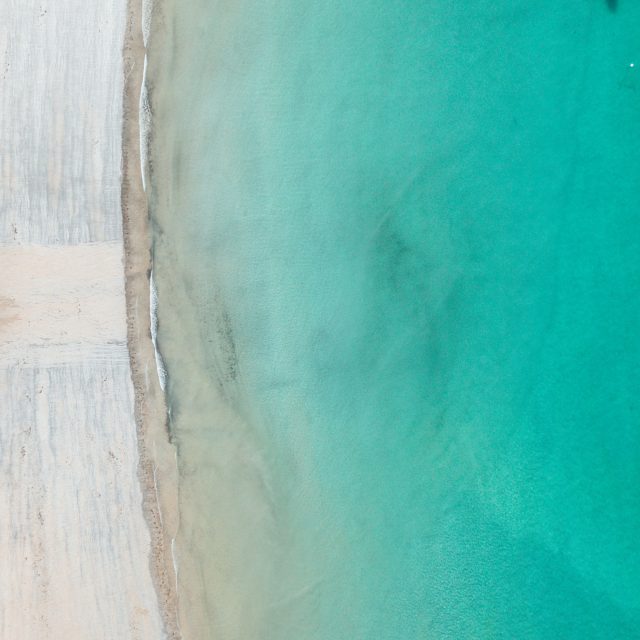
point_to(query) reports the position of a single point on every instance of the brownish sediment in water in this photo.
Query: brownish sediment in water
(157, 467)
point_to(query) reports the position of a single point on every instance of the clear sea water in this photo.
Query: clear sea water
(397, 251)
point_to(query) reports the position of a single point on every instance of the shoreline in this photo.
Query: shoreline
(157, 470)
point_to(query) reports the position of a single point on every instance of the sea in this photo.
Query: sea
(397, 261)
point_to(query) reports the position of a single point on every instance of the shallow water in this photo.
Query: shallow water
(396, 253)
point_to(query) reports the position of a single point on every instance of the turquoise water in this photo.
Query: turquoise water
(397, 255)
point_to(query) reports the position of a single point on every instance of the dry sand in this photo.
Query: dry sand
(83, 442)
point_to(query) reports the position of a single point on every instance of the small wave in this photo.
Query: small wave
(153, 312)
(144, 117)
(147, 11)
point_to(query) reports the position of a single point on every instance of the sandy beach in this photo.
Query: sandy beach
(84, 550)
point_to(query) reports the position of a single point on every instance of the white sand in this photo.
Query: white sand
(62, 304)
(76, 557)
(60, 120)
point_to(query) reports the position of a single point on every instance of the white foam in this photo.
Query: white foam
(144, 117)
(147, 11)
(153, 312)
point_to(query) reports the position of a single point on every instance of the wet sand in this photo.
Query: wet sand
(158, 464)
